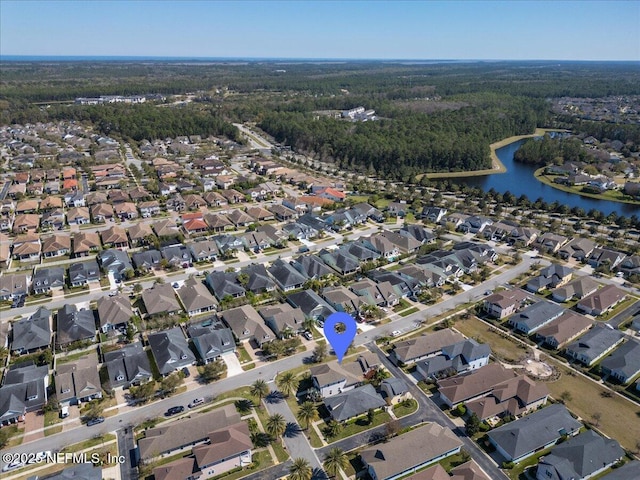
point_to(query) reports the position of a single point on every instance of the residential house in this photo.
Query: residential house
(341, 260)
(550, 242)
(594, 344)
(45, 279)
(516, 441)
(73, 324)
(115, 262)
(170, 350)
(175, 203)
(177, 255)
(247, 324)
(282, 213)
(218, 222)
(114, 313)
(624, 363)
(259, 280)
(79, 471)
(299, 231)
(283, 319)
(78, 381)
(515, 396)
(81, 273)
(418, 232)
(211, 339)
(149, 208)
(395, 391)
(224, 284)
(504, 303)
(128, 366)
(578, 248)
(410, 452)
(194, 201)
(467, 471)
(474, 224)
(52, 220)
(333, 378)
(343, 300)
(457, 358)
(78, 216)
(33, 333)
(630, 265)
(535, 316)
(141, 234)
(96, 198)
(286, 276)
(102, 212)
(160, 299)
(381, 294)
(227, 449)
(24, 389)
(311, 304)
(371, 212)
(196, 298)
(354, 403)
(472, 385)
(433, 214)
(575, 289)
(260, 214)
(420, 348)
(56, 245)
(27, 247)
(115, 237)
(523, 236)
(204, 251)
(602, 257)
(126, 211)
(166, 228)
(564, 329)
(146, 260)
(31, 205)
(85, 243)
(75, 199)
(232, 195)
(553, 276)
(404, 285)
(215, 200)
(601, 301)
(194, 224)
(583, 456)
(26, 223)
(170, 437)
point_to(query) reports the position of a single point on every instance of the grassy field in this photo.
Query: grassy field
(619, 418)
(503, 347)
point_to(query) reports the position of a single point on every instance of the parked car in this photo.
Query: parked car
(195, 402)
(95, 421)
(185, 372)
(40, 457)
(307, 335)
(303, 249)
(12, 466)
(174, 411)
(396, 333)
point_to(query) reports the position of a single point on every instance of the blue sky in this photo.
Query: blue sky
(518, 29)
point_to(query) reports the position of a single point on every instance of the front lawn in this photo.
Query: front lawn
(405, 408)
(360, 425)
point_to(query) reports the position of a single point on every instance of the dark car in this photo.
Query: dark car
(95, 421)
(185, 372)
(174, 411)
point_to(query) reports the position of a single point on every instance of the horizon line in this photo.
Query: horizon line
(37, 57)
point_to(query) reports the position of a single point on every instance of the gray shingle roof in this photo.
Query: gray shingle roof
(170, 350)
(130, 364)
(74, 324)
(33, 332)
(624, 361)
(581, 456)
(540, 428)
(354, 402)
(212, 341)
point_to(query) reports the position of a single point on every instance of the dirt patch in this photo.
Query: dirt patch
(538, 369)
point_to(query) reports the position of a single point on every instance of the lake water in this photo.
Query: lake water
(519, 180)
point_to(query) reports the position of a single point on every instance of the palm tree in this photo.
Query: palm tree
(307, 413)
(334, 461)
(287, 383)
(378, 376)
(276, 425)
(259, 389)
(308, 324)
(333, 428)
(300, 470)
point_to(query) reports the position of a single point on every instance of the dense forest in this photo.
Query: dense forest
(432, 117)
(547, 150)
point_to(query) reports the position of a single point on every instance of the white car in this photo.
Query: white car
(40, 457)
(12, 466)
(396, 333)
(195, 402)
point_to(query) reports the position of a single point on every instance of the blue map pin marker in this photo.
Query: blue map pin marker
(340, 341)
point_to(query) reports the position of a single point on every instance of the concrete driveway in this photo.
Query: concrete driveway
(233, 364)
(33, 425)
